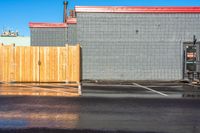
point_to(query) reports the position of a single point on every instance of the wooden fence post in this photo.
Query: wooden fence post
(67, 62)
(12, 62)
(1, 56)
(78, 61)
(78, 66)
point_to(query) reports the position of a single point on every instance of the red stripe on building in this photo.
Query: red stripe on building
(47, 25)
(137, 9)
(71, 21)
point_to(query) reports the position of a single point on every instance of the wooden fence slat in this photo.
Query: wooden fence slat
(37, 67)
(78, 63)
(1, 61)
(1, 70)
(12, 63)
(67, 63)
(17, 64)
(6, 60)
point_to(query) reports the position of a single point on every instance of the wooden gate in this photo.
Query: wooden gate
(40, 64)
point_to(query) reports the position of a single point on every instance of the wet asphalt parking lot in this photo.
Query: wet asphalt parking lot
(134, 107)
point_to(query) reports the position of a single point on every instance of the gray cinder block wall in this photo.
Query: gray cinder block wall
(48, 36)
(72, 34)
(54, 36)
(120, 46)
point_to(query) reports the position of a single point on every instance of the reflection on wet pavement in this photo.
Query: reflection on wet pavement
(5, 123)
(191, 91)
(28, 89)
(37, 116)
(141, 114)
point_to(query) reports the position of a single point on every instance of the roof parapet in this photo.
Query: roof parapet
(47, 25)
(138, 9)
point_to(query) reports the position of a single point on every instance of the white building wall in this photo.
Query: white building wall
(19, 41)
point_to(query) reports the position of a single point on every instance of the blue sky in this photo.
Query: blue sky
(16, 14)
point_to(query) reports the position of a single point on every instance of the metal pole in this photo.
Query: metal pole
(65, 12)
(194, 45)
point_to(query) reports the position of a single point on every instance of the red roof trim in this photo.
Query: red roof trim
(47, 25)
(71, 21)
(136, 9)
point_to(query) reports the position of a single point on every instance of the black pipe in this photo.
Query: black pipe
(65, 12)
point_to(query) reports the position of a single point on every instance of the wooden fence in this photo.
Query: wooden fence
(39, 64)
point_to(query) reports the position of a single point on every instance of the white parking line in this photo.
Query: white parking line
(150, 89)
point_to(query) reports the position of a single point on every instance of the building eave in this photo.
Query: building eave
(47, 25)
(138, 9)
